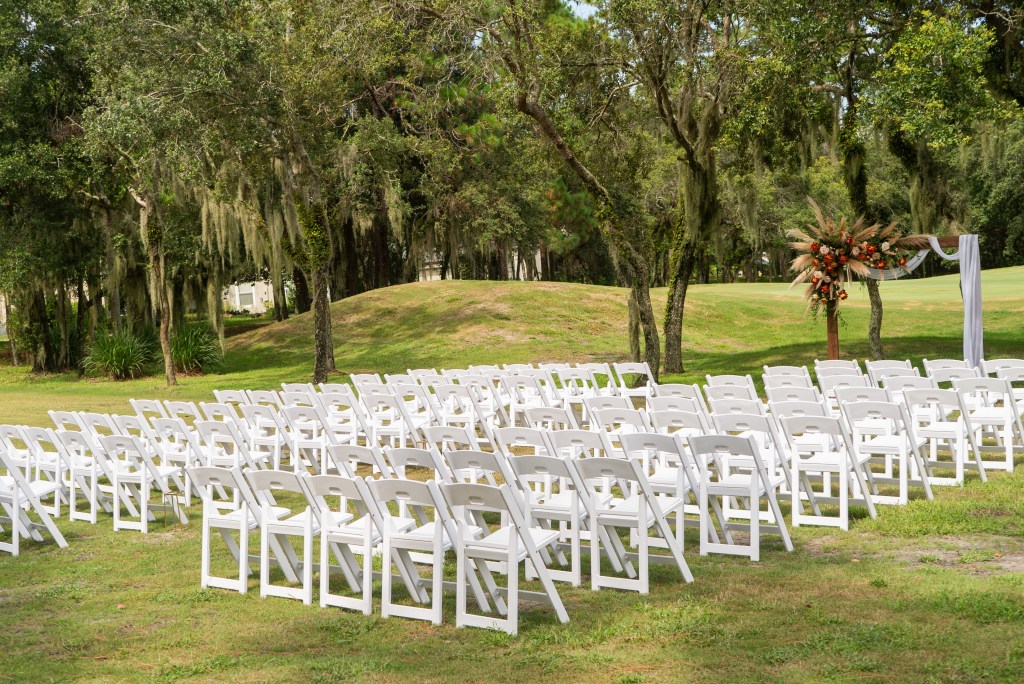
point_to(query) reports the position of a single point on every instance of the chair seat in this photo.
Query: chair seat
(495, 545)
(39, 488)
(629, 508)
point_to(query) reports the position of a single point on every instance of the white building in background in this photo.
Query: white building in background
(252, 297)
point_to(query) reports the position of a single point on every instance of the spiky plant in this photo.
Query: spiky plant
(827, 254)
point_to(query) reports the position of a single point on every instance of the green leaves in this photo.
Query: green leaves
(932, 85)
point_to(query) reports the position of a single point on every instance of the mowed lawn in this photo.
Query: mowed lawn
(930, 592)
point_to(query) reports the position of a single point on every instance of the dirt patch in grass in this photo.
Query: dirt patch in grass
(976, 555)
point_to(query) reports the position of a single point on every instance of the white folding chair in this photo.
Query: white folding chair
(993, 409)
(882, 444)
(820, 447)
(634, 379)
(932, 414)
(739, 474)
(281, 524)
(86, 467)
(428, 532)
(224, 510)
(19, 499)
(510, 543)
(551, 418)
(634, 507)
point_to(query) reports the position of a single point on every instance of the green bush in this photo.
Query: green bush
(196, 349)
(120, 355)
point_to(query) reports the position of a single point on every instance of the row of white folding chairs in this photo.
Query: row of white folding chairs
(113, 470)
(24, 514)
(520, 536)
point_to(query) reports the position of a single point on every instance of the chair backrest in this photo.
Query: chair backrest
(134, 425)
(347, 492)
(148, 408)
(774, 381)
(900, 383)
(347, 457)
(398, 379)
(782, 371)
(875, 411)
(419, 498)
(941, 364)
(877, 375)
(718, 449)
(13, 440)
(301, 398)
(99, 424)
(469, 463)
(605, 402)
(988, 390)
(518, 367)
(480, 497)
(717, 392)
(448, 437)
(359, 379)
(993, 366)
(337, 388)
(671, 421)
(618, 421)
(306, 387)
(274, 480)
(403, 458)
(551, 418)
(837, 367)
(852, 394)
(225, 413)
(576, 443)
(736, 406)
(787, 409)
(124, 448)
(726, 380)
(224, 438)
(304, 416)
(80, 447)
(888, 364)
(632, 372)
(577, 382)
(66, 420)
(231, 396)
(522, 438)
(41, 438)
(812, 425)
(674, 404)
(940, 375)
(264, 397)
(777, 394)
(830, 383)
(185, 410)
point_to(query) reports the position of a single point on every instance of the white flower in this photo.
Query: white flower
(824, 250)
(856, 251)
(817, 274)
(827, 279)
(885, 246)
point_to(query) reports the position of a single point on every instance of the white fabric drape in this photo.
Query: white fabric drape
(969, 257)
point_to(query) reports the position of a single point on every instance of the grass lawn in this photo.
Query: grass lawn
(933, 591)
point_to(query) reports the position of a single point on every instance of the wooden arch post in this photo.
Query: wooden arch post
(832, 306)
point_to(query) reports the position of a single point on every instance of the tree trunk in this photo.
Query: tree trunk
(113, 277)
(635, 353)
(832, 326)
(875, 324)
(702, 213)
(685, 258)
(152, 236)
(80, 326)
(641, 293)
(302, 299)
(323, 354)
(10, 330)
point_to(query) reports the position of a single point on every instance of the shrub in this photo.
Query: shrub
(120, 355)
(196, 349)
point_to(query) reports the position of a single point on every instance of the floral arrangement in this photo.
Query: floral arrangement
(829, 252)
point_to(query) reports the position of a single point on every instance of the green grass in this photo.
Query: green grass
(930, 592)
